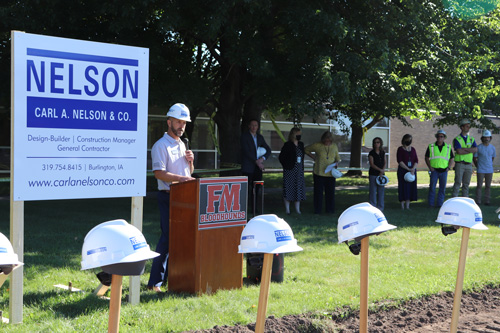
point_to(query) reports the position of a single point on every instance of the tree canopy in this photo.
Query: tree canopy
(367, 60)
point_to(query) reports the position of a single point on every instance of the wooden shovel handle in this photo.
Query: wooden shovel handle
(115, 304)
(264, 292)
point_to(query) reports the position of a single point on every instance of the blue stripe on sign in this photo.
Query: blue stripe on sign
(81, 114)
(82, 57)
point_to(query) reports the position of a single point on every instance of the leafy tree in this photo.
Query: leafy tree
(472, 54)
(265, 55)
(368, 60)
(404, 58)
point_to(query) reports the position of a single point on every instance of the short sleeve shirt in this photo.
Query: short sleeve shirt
(325, 155)
(169, 155)
(485, 156)
(378, 160)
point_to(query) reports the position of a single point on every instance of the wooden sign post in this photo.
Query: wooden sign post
(460, 280)
(3, 278)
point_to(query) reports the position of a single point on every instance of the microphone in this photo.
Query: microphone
(186, 142)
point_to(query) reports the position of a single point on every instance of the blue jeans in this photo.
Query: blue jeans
(376, 193)
(159, 268)
(442, 177)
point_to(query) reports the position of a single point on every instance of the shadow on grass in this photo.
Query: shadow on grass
(72, 305)
(64, 303)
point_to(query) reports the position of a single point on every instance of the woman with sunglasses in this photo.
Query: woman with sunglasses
(378, 161)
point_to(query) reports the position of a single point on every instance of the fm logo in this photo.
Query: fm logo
(228, 197)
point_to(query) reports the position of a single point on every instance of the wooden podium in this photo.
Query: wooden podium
(207, 217)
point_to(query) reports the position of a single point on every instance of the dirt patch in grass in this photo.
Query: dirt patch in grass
(479, 312)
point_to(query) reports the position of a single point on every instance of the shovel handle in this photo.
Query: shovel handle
(115, 304)
(460, 280)
(363, 299)
(264, 292)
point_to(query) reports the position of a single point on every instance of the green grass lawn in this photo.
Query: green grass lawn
(411, 261)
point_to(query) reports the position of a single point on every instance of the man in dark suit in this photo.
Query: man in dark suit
(251, 164)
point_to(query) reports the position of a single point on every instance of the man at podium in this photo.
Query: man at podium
(172, 162)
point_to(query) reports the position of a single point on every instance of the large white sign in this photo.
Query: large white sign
(80, 118)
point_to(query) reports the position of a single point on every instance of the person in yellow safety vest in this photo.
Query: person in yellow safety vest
(439, 158)
(465, 147)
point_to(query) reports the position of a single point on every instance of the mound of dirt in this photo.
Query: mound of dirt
(479, 312)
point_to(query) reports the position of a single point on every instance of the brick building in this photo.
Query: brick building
(423, 134)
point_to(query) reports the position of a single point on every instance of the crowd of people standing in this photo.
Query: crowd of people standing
(173, 161)
(440, 157)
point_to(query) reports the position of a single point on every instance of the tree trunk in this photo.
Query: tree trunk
(228, 118)
(251, 110)
(356, 140)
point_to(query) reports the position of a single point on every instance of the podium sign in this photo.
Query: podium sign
(223, 202)
(207, 217)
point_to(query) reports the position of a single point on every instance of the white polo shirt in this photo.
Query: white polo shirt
(169, 155)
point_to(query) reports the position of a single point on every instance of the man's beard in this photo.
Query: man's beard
(178, 131)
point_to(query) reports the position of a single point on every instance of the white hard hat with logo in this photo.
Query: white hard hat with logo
(261, 151)
(179, 111)
(409, 177)
(336, 173)
(486, 133)
(8, 259)
(382, 180)
(267, 234)
(361, 220)
(461, 212)
(116, 246)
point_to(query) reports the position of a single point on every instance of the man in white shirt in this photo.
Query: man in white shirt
(172, 162)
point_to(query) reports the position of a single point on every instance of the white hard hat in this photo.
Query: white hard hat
(464, 121)
(462, 212)
(486, 133)
(267, 234)
(440, 132)
(382, 180)
(116, 246)
(261, 151)
(179, 111)
(8, 259)
(361, 220)
(409, 177)
(336, 173)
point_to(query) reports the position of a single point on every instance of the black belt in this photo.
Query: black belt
(165, 191)
(464, 162)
